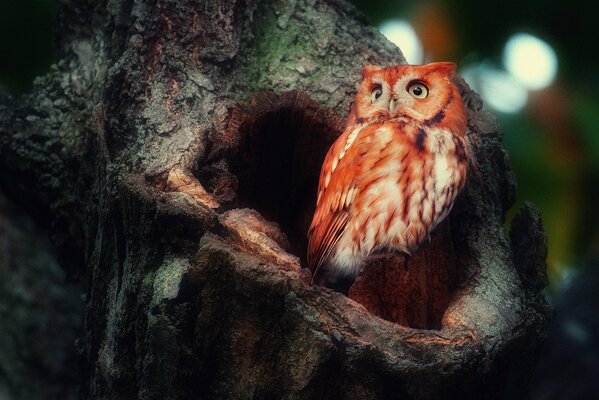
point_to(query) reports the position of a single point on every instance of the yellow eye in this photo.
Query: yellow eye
(376, 93)
(418, 90)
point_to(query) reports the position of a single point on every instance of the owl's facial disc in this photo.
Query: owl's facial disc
(421, 93)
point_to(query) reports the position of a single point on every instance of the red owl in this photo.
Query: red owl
(394, 174)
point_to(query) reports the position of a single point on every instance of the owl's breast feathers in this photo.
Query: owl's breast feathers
(383, 185)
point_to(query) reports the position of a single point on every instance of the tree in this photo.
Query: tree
(173, 152)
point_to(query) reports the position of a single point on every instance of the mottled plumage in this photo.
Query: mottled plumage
(394, 173)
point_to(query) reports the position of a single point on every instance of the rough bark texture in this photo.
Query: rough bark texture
(165, 150)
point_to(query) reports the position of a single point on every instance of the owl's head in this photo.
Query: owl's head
(422, 93)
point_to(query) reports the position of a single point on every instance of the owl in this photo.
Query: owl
(394, 173)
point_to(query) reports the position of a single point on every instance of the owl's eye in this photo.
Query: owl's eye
(418, 90)
(376, 93)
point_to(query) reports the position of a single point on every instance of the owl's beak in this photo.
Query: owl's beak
(392, 104)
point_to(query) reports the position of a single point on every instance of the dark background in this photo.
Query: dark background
(553, 140)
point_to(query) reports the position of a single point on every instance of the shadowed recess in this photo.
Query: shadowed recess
(284, 140)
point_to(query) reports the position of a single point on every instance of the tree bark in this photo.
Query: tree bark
(173, 153)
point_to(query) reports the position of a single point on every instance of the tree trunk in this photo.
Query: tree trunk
(173, 152)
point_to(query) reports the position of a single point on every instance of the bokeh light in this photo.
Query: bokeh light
(401, 33)
(500, 90)
(531, 60)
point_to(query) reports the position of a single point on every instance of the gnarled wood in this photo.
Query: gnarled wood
(141, 147)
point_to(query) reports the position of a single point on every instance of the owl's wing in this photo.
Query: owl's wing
(327, 226)
(335, 193)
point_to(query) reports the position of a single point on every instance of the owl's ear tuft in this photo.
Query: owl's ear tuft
(445, 67)
(369, 69)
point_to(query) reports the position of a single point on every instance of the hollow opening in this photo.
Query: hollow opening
(282, 147)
